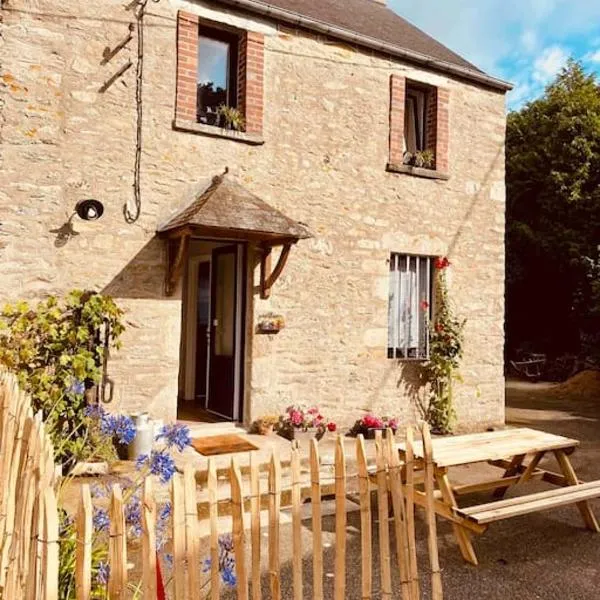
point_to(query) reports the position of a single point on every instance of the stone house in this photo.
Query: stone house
(276, 253)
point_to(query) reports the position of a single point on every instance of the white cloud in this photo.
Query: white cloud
(549, 63)
(529, 40)
(593, 57)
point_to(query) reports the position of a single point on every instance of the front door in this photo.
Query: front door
(225, 327)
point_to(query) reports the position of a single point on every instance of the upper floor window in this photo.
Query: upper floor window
(217, 74)
(220, 77)
(419, 124)
(409, 309)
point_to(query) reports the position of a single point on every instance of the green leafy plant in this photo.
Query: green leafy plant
(56, 351)
(231, 117)
(445, 351)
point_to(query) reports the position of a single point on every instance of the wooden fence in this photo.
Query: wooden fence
(29, 522)
(28, 510)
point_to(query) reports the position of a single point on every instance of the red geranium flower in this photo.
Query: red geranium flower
(424, 305)
(439, 327)
(331, 426)
(442, 262)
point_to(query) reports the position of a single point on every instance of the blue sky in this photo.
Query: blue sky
(523, 41)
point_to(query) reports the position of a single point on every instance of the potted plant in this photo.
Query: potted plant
(370, 423)
(266, 425)
(230, 118)
(303, 424)
(422, 159)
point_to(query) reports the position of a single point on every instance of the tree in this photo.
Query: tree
(553, 216)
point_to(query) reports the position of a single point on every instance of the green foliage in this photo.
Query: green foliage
(445, 352)
(424, 159)
(54, 349)
(553, 217)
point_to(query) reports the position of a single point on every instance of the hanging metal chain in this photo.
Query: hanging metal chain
(133, 214)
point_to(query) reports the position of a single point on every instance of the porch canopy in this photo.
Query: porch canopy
(226, 210)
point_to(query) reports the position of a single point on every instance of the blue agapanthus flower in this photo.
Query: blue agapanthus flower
(120, 426)
(159, 463)
(175, 435)
(165, 512)
(77, 387)
(226, 561)
(100, 520)
(103, 573)
(133, 515)
(94, 411)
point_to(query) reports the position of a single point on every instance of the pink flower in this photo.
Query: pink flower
(424, 305)
(372, 422)
(313, 410)
(393, 424)
(296, 417)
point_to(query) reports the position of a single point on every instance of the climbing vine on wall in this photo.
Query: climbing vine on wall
(445, 352)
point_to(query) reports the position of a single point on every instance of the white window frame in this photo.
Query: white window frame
(411, 284)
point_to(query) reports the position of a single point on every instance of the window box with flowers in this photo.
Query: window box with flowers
(303, 424)
(370, 424)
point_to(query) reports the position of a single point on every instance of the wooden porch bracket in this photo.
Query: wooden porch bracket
(267, 276)
(177, 249)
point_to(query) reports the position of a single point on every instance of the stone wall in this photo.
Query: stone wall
(326, 128)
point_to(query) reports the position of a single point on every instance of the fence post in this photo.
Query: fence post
(274, 512)
(148, 541)
(50, 546)
(296, 523)
(213, 513)
(83, 541)
(436, 576)
(317, 526)
(383, 511)
(117, 547)
(255, 526)
(340, 520)
(178, 508)
(410, 512)
(237, 514)
(365, 518)
(191, 530)
(399, 515)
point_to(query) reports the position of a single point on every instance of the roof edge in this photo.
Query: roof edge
(268, 10)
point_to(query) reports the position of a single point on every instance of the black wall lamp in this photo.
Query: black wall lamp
(87, 210)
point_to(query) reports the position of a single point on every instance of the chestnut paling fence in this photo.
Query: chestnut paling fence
(29, 530)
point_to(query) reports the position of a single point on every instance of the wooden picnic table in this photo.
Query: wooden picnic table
(508, 450)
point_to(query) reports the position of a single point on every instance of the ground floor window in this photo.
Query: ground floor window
(409, 306)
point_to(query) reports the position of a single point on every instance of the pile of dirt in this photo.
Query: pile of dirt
(585, 386)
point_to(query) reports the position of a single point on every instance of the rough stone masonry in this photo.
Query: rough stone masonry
(323, 162)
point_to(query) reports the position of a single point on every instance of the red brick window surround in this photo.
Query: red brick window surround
(418, 140)
(241, 84)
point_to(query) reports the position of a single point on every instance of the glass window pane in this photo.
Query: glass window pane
(213, 77)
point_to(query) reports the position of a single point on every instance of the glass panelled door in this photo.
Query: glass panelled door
(225, 331)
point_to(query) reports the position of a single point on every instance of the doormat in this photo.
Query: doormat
(213, 445)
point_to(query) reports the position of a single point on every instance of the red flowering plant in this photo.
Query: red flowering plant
(446, 334)
(370, 422)
(300, 418)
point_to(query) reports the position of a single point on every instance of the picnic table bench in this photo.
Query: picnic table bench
(506, 449)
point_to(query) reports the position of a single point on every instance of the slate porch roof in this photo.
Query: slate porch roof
(224, 207)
